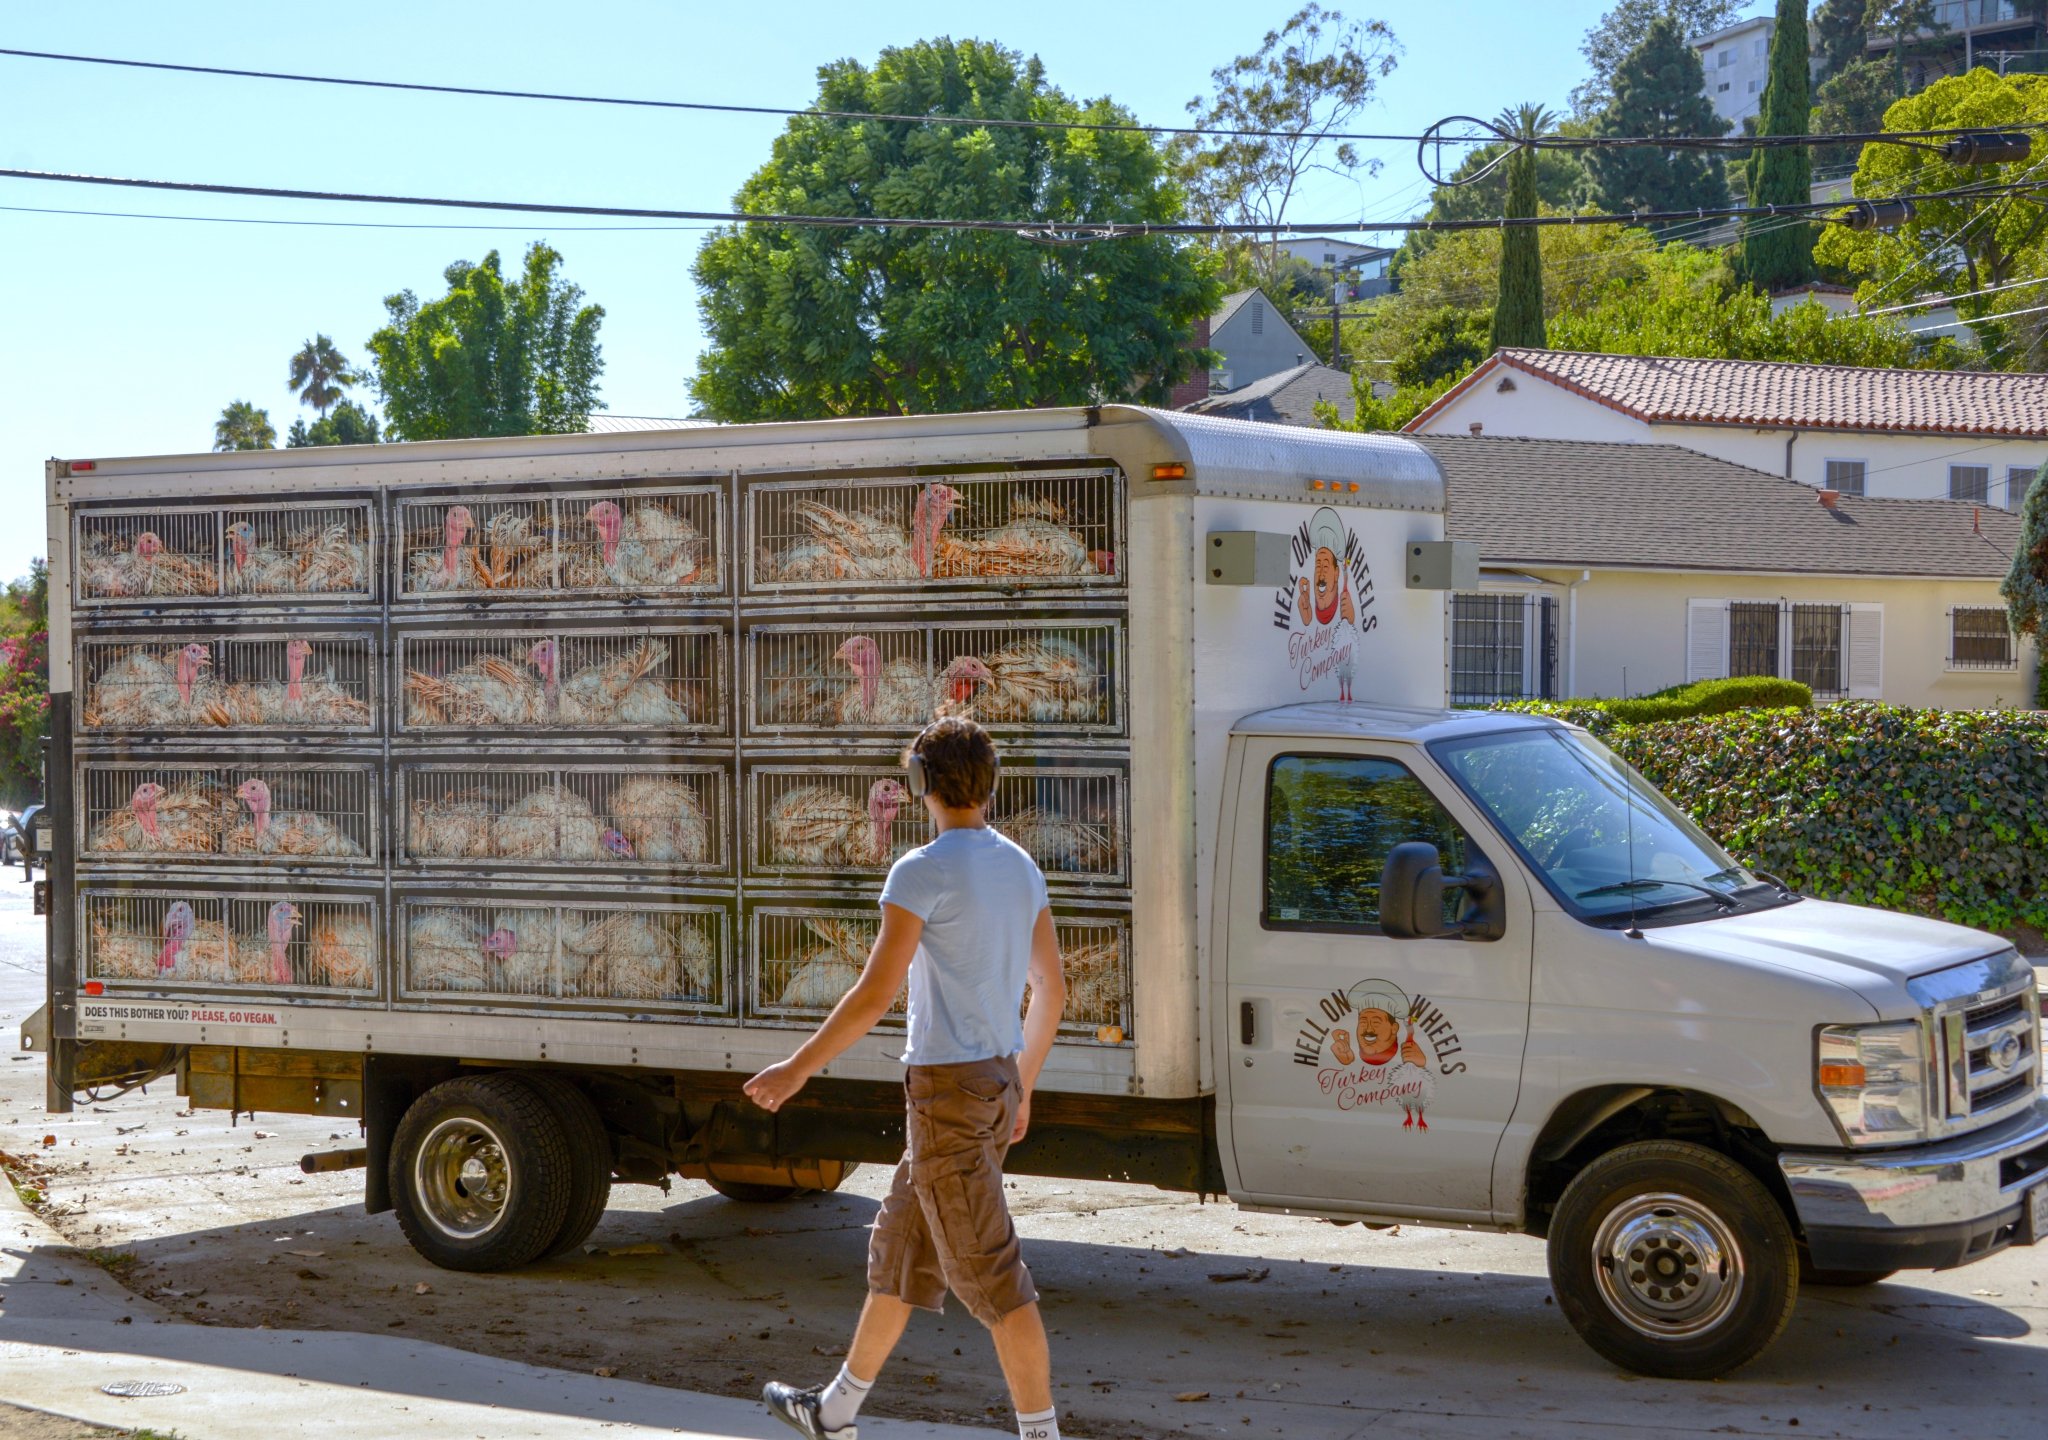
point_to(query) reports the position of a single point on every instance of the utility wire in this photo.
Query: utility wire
(353, 224)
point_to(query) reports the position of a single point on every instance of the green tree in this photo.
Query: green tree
(1851, 102)
(1562, 183)
(24, 685)
(350, 424)
(491, 357)
(1623, 29)
(320, 373)
(865, 320)
(1658, 92)
(244, 427)
(2026, 584)
(1910, 25)
(1777, 252)
(1964, 246)
(1518, 312)
(1840, 36)
(1309, 79)
(1449, 342)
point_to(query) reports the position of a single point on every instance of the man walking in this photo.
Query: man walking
(965, 920)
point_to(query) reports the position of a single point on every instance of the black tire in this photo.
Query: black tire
(480, 1171)
(590, 1159)
(1718, 1271)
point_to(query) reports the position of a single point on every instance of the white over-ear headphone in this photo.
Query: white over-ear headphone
(921, 783)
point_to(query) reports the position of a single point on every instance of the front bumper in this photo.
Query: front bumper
(1922, 1207)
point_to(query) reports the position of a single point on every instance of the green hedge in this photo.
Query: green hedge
(1937, 812)
(1680, 702)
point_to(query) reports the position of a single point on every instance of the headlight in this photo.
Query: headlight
(1874, 1080)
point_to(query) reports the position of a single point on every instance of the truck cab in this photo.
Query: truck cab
(1477, 971)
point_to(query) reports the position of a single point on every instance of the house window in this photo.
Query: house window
(1330, 821)
(1258, 318)
(1721, 87)
(1846, 476)
(1329, 257)
(1725, 58)
(1980, 639)
(2018, 480)
(1503, 647)
(1763, 49)
(1817, 650)
(1970, 482)
(1753, 86)
(1753, 638)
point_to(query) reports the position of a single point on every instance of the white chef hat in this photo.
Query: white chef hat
(1379, 995)
(1326, 531)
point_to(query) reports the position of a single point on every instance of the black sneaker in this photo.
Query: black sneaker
(798, 1409)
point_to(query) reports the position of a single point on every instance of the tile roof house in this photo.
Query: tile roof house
(1906, 434)
(1614, 568)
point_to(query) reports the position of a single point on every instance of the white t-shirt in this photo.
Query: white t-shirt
(979, 895)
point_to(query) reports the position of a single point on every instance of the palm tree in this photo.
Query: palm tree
(320, 373)
(243, 427)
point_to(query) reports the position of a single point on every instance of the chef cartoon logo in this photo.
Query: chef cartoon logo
(1375, 1047)
(1326, 607)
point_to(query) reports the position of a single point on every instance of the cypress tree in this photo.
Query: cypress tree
(1518, 313)
(1774, 253)
(1658, 92)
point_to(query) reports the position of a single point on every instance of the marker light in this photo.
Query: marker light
(1171, 470)
(82, 467)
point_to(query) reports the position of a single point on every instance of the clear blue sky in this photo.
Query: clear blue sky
(126, 336)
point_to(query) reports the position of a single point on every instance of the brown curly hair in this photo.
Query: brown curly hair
(959, 761)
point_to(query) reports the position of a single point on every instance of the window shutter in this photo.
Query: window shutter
(1706, 640)
(1866, 652)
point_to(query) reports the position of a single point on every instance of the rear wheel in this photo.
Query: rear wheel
(480, 1170)
(590, 1159)
(1670, 1259)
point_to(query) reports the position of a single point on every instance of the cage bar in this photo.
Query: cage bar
(163, 554)
(1055, 676)
(536, 680)
(476, 545)
(612, 819)
(242, 682)
(810, 679)
(536, 951)
(1018, 529)
(233, 941)
(301, 549)
(287, 812)
(1095, 952)
(804, 958)
(1073, 820)
(640, 541)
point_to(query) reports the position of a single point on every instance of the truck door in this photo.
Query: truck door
(1363, 1072)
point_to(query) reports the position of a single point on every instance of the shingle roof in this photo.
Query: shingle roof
(1229, 306)
(1772, 394)
(1664, 507)
(1288, 397)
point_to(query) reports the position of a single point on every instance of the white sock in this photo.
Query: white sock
(841, 1400)
(1044, 1425)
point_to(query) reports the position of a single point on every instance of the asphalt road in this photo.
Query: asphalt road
(1169, 1318)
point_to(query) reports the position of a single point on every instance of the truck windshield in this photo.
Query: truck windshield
(1602, 838)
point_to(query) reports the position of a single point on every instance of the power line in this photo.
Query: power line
(351, 224)
(1054, 231)
(1934, 300)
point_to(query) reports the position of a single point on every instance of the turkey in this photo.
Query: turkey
(317, 699)
(550, 823)
(1095, 984)
(1031, 543)
(1070, 847)
(455, 827)
(821, 977)
(842, 545)
(1041, 680)
(341, 950)
(290, 832)
(644, 546)
(514, 554)
(661, 820)
(818, 825)
(487, 693)
(188, 820)
(614, 692)
(124, 954)
(620, 955)
(523, 941)
(256, 568)
(447, 950)
(266, 959)
(447, 568)
(315, 559)
(959, 683)
(192, 951)
(145, 568)
(897, 693)
(144, 690)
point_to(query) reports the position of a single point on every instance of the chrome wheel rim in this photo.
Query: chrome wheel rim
(462, 1177)
(1667, 1266)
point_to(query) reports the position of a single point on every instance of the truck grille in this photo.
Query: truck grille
(1990, 1051)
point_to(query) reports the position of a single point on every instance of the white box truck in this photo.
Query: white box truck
(520, 797)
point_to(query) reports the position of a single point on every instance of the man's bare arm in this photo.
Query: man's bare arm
(1042, 1015)
(881, 981)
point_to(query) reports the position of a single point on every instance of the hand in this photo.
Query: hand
(773, 1087)
(1023, 1119)
(1350, 610)
(1412, 1053)
(1307, 607)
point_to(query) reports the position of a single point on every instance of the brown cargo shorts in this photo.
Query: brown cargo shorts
(944, 1225)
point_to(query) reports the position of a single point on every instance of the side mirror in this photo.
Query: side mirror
(1412, 890)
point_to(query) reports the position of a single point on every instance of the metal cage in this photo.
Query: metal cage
(670, 957)
(667, 820)
(284, 682)
(288, 812)
(585, 542)
(309, 549)
(211, 941)
(670, 680)
(1033, 529)
(826, 818)
(1052, 677)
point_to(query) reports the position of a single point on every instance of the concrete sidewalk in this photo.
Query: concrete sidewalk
(66, 1329)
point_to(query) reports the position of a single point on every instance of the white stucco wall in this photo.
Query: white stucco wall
(1896, 466)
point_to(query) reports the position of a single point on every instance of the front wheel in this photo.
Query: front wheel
(1671, 1260)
